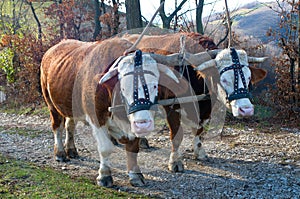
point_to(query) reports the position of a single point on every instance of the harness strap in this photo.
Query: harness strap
(238, 93)
(138, 73)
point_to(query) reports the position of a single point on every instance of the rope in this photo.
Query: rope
(183, 67)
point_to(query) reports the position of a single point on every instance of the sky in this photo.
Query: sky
(148, 7)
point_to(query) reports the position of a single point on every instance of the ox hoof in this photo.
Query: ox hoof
(72, 153)
(114, 141)
(105, 181)
(201, 157)
(200, 154)
(61, 158)
(176, 166)
(137, 179)
(144, 144)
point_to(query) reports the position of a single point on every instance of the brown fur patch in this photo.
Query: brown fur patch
(69, 75)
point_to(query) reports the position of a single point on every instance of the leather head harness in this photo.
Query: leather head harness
(238, 93)
(138, 74)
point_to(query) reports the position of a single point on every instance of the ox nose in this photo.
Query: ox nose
(246, 111)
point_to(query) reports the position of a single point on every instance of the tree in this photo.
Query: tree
(199, 9)
(133, 14)
(287, 93)
(167, 19)
(97, 15)
(36, 19)
(116, 17)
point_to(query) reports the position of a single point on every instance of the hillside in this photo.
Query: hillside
(256, 20)
(253, 19)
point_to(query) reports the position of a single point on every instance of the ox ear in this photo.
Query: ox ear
(107, 76)
(166, 70)
(257, 74)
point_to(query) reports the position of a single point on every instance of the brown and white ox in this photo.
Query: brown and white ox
(70, 75)
(235, 82)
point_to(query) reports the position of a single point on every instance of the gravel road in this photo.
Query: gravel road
(245, 163)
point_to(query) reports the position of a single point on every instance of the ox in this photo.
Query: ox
(77, 80)
(235, 76)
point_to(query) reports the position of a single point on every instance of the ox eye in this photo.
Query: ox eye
(224, 81)
(154, 86)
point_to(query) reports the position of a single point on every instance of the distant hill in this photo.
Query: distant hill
(256, 20)
(253, 19)
(251, 23)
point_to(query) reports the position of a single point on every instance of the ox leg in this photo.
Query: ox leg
(199, 151)
(131, 142)
(69, 141)
(176, 136)
(136, 177)
(58, 128)
(105, 148)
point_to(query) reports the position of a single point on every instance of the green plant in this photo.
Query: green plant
(6, 64)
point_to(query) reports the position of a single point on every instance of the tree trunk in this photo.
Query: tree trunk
(133, 14)
(199, 10)
(176, 18)
(116, 17)
(61, 20)
(167, 19)
(98, 27)
(298, 57)
(103, 8)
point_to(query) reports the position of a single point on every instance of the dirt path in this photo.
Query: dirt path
(246, 163)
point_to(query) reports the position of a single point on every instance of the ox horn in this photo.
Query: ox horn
(206, 65)
(257, 59)
(176, 58)
(168, 72)
(213, 53)
(107, 76)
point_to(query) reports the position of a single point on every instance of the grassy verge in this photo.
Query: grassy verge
(20, 179)
(32, 133)
(11, 108)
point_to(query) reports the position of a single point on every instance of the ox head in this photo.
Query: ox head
(236, 77)
(139, 76)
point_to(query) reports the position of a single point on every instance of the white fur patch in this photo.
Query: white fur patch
(224, 59)
(199, 152)
(104, 144)
(116, 132)
(58, 137)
